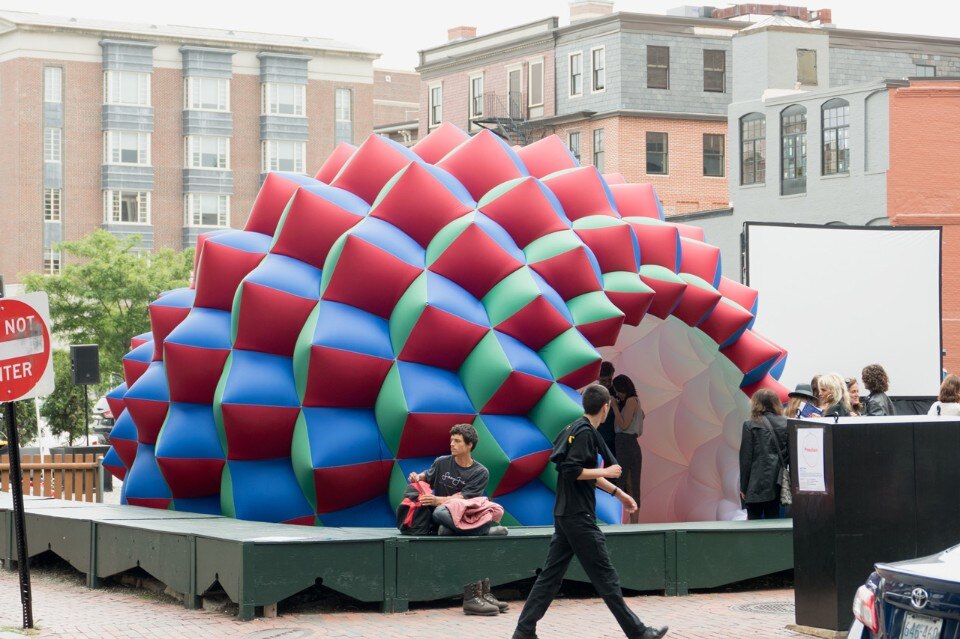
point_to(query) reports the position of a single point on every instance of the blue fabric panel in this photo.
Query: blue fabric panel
(452, 184)
(552, 296)
(340, 197)
(179, 298)
(244, 241)
(427, 389)
(189, 432)
(146, 337)
(758, 373)
(636, 248)
(289, 275)
(260, 379)
(414, 465)
(500, 237)
(554, 203)
(142, 353)
(402, 150)
(454, 299)
(124, 427)
(204, 505)
(572, 394)
(719, 272)
(113, 459)
(203, 328)
(521, 357)
(777, 369)
(531, 505)
(517, 436)
(298, 178)
(151, 385)
(267, 491)
(730, 340)
(609, 508)
(376, 512)
(350, 329)
(606, 191)
(342, 436)
(144, 479)
(118, 392)
(391, 239)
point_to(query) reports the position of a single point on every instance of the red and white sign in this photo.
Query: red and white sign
(26, 361)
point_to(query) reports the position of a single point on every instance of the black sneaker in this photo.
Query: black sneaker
(519, 634)
(652, 633)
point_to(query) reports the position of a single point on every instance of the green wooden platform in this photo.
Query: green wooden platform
(260, 564)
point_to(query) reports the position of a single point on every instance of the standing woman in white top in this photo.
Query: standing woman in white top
(628, 426)
(948, 403)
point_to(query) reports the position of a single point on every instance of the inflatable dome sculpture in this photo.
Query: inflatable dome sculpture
(324, 352)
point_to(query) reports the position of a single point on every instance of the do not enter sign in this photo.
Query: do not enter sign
(26, 369)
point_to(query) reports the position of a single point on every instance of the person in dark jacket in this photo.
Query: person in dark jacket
(876, 381)
(608, 428)
(762, 446)
(834, 400)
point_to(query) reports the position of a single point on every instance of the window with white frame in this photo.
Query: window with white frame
(284, 99)
(52, 84)
(435, 105)
(476, 96)
(207, 152)
(576, 74)
(51, 262)
(126, 87)
(574, 144)
(598, 69)
(598, 153)
(535, 83)
(284, 155)
(52, 204)
(206, 94)
(52, 144)
(344, 105)
(126, 207)
(206, 209)
(126, 147)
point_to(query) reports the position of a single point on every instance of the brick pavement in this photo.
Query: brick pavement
(63, 607)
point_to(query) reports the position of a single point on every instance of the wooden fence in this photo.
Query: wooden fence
(72, 476)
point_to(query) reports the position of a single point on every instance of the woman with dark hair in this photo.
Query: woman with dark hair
(948, 403)
(628, 425)
(763, 447)
(876, 381)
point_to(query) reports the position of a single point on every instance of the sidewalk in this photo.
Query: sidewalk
(63, 607)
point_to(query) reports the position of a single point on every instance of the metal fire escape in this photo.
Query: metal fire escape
(506, 115)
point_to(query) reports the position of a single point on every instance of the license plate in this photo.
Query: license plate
(921, 627)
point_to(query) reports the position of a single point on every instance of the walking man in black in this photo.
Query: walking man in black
(575, 527)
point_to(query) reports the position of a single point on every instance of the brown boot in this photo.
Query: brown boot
(488, 596)
(475, 604)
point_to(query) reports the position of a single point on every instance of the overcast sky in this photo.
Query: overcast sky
(399, 28)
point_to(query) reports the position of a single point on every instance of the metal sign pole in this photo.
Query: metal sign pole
(16, 479)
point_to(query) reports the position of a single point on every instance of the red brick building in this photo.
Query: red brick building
(396, 105)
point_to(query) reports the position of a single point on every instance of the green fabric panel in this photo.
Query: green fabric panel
(658, 272)
(235, 313)
(218, 402)
(592, 307)
(330, 264)
(551, 245)
(489, 453)
(484, 370)
(301, 459)
(445, 237)
(724, 300)
(567, 352)
(283, 220)
(647, 221)
(562, 171)
(499, 190)
(597, 222)
(693, 280)
(624, 282)
(398, 484)
(407, 311)
(301, 352)
(549, 476)
(227, 507)
(510, 295)
(509, 520)
(391, 409)
(386, 187)
(554, 412)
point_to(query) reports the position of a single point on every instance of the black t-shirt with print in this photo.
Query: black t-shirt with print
(447, 478)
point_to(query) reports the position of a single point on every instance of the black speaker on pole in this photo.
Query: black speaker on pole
(85, 364)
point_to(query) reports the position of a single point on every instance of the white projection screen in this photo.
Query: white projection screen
(839, 298)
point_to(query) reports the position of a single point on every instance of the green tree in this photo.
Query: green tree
(26, 422)
(64, 409)
(103, 293)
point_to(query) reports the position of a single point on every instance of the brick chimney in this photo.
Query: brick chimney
(461, 33)
(581, 10)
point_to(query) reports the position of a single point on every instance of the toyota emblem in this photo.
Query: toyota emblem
(919, 598)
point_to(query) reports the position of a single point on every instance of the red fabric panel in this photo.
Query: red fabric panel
(306, 520)
(581, 192)
(695, 304)
(633, 305)
(539, 218)
(751, 351)
(768, 382)
(137, 341)
(126, 450)
(116, 406)
(419, 205)
(612, 246)
(270, 203)
(341, 378)
(690, 232)
(475, 262)
(150, 502)
(439, 142)
(163, 319)
(481, 163)
(536, 324)
(583, 375)
(270, 320)
(428, 434)
(188, 478)
(739, 293)
(667, 297)
(441, 339)
(148, 415)
(570, 273)
(636, 200)
(222, 268)
(132, 370)
(658, 244)
(258, 432)
(724, 321)
(311, 227)
(603, 332)
(332, 165)
(361, 264)
(345, 486)
(372, 166)
(700, 259)
(614, 178)
(546, 156)
(193, 373)
(120, 472)
(518, 394)
(522, 471)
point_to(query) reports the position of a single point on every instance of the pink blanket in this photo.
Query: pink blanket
(474, 512)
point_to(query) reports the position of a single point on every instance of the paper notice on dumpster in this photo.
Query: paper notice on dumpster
(810, 461)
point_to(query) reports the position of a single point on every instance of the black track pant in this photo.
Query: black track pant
(578, 535)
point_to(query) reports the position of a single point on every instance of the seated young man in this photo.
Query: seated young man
(453, 476)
